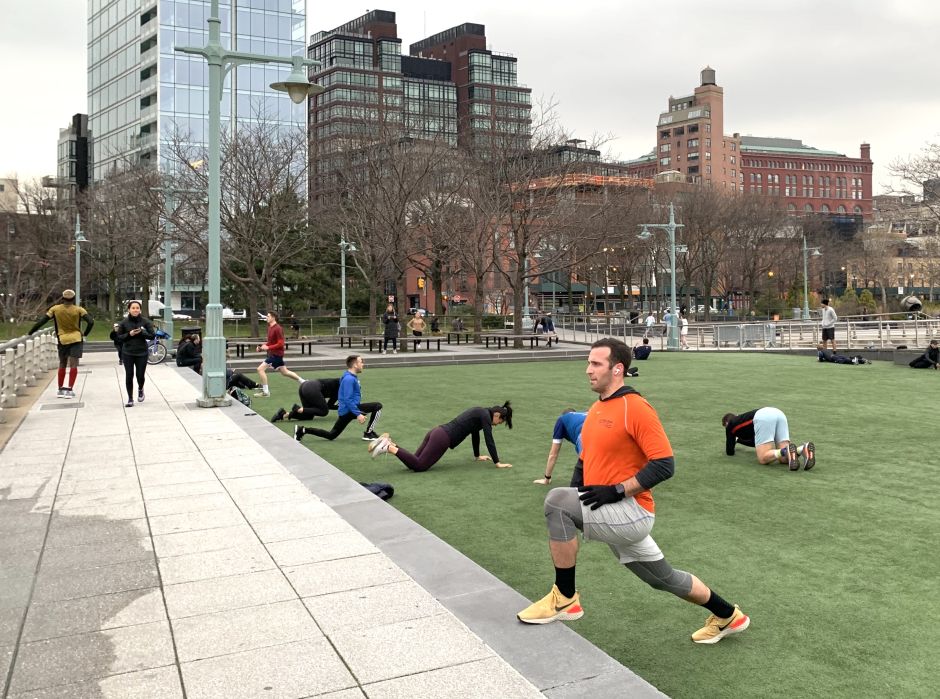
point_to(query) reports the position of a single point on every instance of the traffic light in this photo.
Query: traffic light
(420, 282)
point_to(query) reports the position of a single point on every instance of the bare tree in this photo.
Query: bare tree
(123, 223)
(36, 261)
(920, 176)
(263, 210)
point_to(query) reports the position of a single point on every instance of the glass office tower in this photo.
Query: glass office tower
(142, 93)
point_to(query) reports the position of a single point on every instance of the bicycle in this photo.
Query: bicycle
(156, 350)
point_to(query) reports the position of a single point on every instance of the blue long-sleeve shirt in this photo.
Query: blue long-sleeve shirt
(350, 394)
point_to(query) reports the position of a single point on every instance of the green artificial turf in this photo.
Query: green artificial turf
(837, 567)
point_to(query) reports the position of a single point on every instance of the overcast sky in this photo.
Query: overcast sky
(834, 73)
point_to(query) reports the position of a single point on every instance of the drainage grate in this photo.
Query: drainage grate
(62, 406)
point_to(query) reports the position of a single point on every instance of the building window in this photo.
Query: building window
(841, 209)
(664, 134)
(824, 208)
(808, 208)
(664, 161)
(693, 142)
(791, 207)
(665, 148)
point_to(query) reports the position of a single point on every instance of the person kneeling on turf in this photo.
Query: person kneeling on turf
(767, 430)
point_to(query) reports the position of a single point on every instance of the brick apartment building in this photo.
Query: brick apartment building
(691, 140)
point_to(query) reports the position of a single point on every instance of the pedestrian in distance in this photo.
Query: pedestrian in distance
(67, 317)
(435, 324)
(649, 323)
(189, 353)
(642, 350)
(626, 453)
(929, 359)
(350, 407)
(684, 332)
(457, 324)
(134, 332)
(417, 325)
(768, 432)
(828, 324)
(470, 423)
(294, 326)
(567, 427)
(317, 398)
(391, 328)
(274, 347)
(117, 343)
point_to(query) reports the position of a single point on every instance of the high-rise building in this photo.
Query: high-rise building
(142, 93)
(74, 160)
(450, 87)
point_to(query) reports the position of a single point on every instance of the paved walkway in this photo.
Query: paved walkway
(172, 551)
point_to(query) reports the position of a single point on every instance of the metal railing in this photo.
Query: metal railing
(21, 362)
(852, 333)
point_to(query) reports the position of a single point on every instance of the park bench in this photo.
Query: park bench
(457, 334)
(501, 340)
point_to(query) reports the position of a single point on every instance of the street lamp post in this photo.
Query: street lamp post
(79, 239)
(806, 252)
(344, 247)
(298, 86)
(670, 228)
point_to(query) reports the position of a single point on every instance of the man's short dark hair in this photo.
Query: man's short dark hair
(275, 316)
(825, 302)
(646, 340)
(726, 418)
(620, 352)
(350, 360)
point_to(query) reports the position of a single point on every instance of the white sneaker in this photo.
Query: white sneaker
(379, 446)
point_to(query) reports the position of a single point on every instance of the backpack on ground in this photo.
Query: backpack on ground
(239, 395)
(383, 490)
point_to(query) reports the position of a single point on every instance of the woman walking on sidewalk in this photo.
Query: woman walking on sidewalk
(134, 332)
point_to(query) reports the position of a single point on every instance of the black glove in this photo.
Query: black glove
(597, 495)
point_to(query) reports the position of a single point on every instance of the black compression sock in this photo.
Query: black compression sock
(564, 581)
(718, 606)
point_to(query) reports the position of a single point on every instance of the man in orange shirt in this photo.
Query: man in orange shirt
(625, 453)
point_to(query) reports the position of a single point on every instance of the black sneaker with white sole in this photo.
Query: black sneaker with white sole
(794, 460)
(298, 432)
(279, 415)
(369, 436)
(809, 456)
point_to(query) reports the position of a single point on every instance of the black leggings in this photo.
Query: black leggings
(238, 380)
(134, 363)
(435, 445)
(374, 408)
(312, 401)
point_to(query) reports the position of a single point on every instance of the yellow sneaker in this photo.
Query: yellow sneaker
(716, 629)
(552, 607)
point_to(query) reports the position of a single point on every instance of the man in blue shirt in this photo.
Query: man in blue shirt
(567, 427)
(350, 406)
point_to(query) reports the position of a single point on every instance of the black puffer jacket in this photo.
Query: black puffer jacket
(135, 345)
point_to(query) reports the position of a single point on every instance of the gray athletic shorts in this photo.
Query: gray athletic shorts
(770, 425)
(624, 526)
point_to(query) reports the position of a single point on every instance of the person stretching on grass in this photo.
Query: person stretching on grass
(317, 398)
(767, 430)
(567, 427)
(443, 437)
(350, 406)
(625, 453)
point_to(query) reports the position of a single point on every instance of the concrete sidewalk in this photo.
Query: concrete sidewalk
(171, 551)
